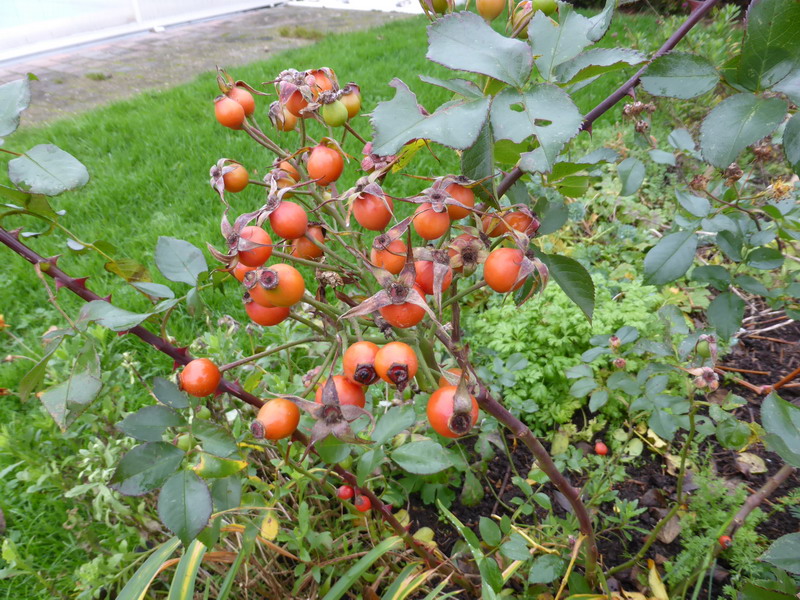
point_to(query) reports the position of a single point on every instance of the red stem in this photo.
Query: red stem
(623, 90)
(181, 356)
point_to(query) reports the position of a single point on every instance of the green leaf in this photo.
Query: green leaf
(477, 162)
(332, 450)
(66, 401)
(113, 317)
(47, 169)
(184, 505)
(784, 553)
(737, 122)
(552, 215)
(34, 378)
(731, 245)
(168, 393)
(227, 492)
(216, 439)
(752, 285)
(681, 139)
(771, 44)
(422, 458)
(14, 98)
(580, 388)
(732, 434)
(670, 258)
(349, 580)
(781, 420)
(137, 586)
(149, 423)
(182, 587)
(463, 87)
(179, 260)
(714, 274)
(545, 111)
(765, 259)
(598, 400)
(751, 591)
(679, 75)
(663, 423)
(662, 157)
(791, 142)
(546, 568)
(620, 380)
(725, 314)
(455, 124)
(574, 279)
(631, 173)
(490, 531)
(464, 41)
(790, 86)
(368, 462)
(554, 43)
(393, 422)
(596, 62)
(515, 548)
(472, 490)
(694, 205)
(145, 468)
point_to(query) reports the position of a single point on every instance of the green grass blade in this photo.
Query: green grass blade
(401, 582)
(137, 586)
(347, 582)
(182, 587)
(248, 543)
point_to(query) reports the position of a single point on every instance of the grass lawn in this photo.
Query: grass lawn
(149, 159)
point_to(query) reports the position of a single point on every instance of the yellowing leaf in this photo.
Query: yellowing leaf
(654, 581)
(750, 464)
(210, 466)
(269, 527)
(406, 154)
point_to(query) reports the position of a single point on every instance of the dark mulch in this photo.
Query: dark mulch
(648, 480)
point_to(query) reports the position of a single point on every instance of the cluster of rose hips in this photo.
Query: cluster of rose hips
(361, 502)
(518, 17)
(407, 275)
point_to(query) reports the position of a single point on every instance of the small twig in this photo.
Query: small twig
(247, 359)
(355, 133)
(786, 379)
(771, 339)
(742, 370)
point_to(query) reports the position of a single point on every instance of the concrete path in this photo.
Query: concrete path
(81, 78)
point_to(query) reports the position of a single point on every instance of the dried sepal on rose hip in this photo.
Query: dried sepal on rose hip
(277, 285)
(389, 252)
(434, 8)
(706, 347)
(376, 163)
(294, 91)
(401, 303)
(330, 416)
(368, 203)
(433, 272)
(467, 252)
(452, 411)
(705, 378)
(228, 175)
(249, 245)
